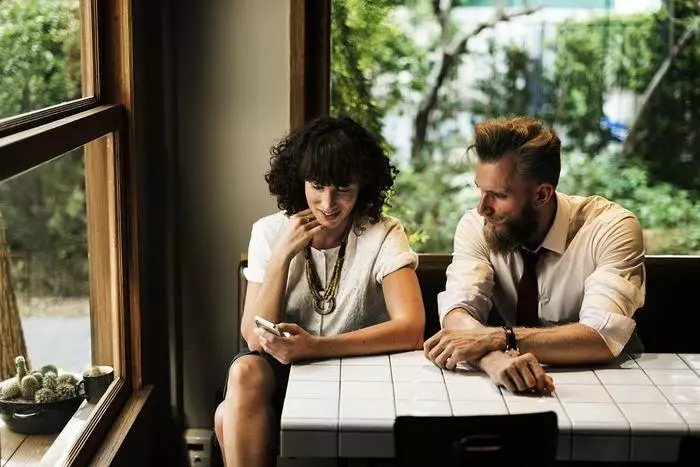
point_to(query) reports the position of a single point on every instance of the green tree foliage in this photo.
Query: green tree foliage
(376, 68)
(39, 54)
(432, 190)
(44, 209)
(506, 91)
(430, 202)
(670, 216)
(598, 56)
(670, 129)
(659, 181)
(593, 58)
(373, 61)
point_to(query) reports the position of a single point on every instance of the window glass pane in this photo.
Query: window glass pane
(40, 54)
(51, 302)
(618, 80)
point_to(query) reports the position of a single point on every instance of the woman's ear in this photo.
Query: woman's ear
(543, 194)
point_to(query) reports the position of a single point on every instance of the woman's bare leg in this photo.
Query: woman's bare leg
(219, 428)
(243, 421)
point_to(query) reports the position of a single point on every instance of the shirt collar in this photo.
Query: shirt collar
(556, 237)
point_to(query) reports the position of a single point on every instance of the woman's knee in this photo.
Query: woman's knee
(251, 376)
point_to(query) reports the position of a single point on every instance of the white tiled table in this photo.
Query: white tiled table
(637, 409)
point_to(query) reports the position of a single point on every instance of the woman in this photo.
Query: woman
(334, 272)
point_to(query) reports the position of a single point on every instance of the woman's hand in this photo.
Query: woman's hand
(298, 345)
(301, 229)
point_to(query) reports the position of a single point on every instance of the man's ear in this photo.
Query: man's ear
(543, 194)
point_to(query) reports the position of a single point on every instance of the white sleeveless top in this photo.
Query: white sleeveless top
(380, 250)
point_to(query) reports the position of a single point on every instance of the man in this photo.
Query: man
(565, 272)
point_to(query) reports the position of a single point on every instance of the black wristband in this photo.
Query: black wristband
(511, 342)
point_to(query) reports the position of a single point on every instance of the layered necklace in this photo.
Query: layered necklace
(324, 300)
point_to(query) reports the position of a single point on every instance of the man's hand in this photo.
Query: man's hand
(518, 374)
(449, 347)
(297, 346)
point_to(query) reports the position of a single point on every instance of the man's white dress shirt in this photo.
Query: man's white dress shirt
(592, 272)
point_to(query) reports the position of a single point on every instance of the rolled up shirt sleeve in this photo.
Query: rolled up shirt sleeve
(395, 251)
(616, 289)
(259, 250)
(470, 275)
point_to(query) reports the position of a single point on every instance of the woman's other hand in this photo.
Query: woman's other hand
(299, 232)
(296, 346)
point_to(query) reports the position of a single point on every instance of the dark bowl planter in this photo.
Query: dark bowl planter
(34, 418)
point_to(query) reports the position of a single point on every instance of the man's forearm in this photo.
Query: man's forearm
(460, 319)
(565, 345)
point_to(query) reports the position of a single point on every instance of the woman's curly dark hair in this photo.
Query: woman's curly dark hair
(331, 151)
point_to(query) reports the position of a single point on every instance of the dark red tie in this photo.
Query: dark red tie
(527, 309)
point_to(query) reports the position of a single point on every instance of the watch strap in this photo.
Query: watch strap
(511, 341)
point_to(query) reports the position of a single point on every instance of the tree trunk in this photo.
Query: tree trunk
(451, 53)
(12, 342)
(635, 133)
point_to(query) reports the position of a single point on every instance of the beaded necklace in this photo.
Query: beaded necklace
(324, 300)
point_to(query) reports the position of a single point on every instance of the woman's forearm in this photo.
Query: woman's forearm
(267, 302)
(391, 336)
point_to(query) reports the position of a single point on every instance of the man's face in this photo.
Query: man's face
(506, 204)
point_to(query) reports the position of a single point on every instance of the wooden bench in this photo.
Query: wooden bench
(669, 321)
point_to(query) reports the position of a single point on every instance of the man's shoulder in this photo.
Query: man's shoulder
(471, 218)
(598, 209)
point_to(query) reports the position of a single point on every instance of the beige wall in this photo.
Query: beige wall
(233, 103)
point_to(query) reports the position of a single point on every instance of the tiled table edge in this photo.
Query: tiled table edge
(629, 363)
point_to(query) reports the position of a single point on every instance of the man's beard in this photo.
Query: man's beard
(514, 233)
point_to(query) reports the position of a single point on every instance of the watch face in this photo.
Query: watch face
(512, 353)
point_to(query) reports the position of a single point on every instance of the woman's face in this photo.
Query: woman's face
(330, 204)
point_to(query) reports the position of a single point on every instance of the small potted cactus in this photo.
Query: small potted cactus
(39, 401)
(95, 382)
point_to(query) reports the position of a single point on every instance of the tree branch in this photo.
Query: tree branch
(635, 133)
(450, 59)
(442, 10)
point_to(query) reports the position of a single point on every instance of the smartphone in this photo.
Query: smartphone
(268, 326)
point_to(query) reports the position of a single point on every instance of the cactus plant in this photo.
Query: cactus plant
(66, 378)
(46, 368)
(21, 365)
(50, 380)
(39, 377)
(65, 391)
(44, 395)
(94, 371)
(10, 390)
(29, 386)
(42, 386)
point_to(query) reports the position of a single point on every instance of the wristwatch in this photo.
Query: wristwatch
(511, 343)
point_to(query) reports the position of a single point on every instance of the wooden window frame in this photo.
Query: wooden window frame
(310, 60)
(29, 140)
